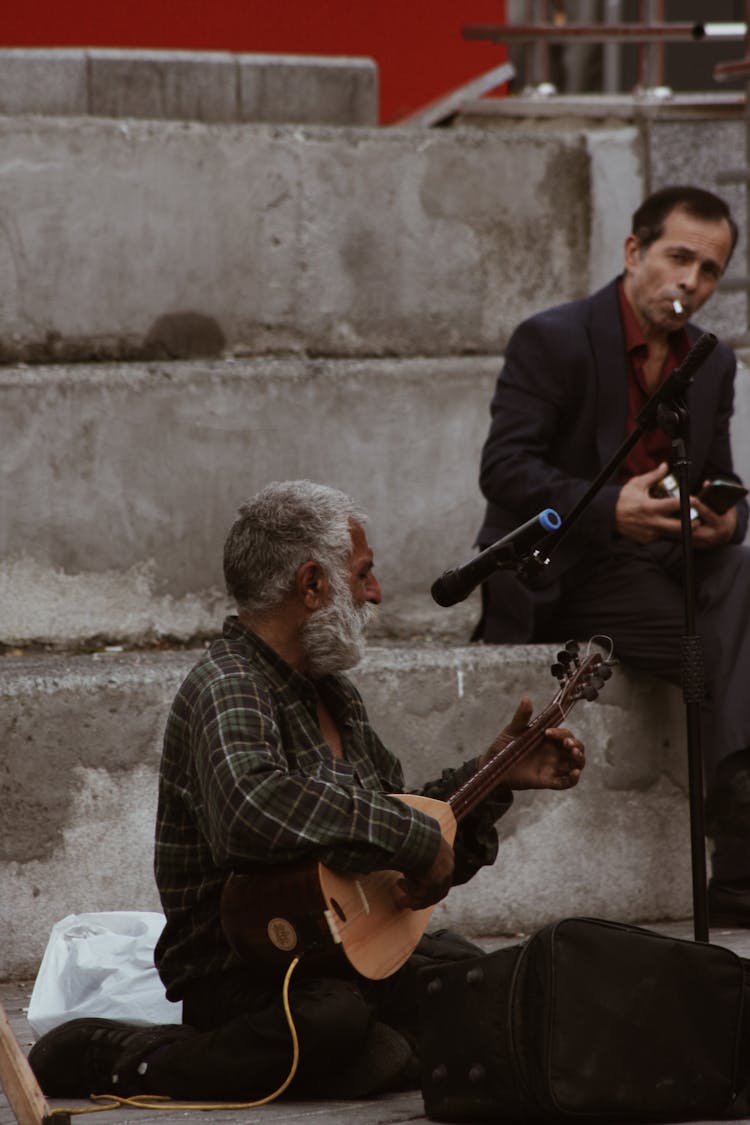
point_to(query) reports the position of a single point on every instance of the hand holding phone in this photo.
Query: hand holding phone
(721, 494)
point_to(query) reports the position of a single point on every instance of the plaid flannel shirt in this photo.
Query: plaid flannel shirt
(247, 778)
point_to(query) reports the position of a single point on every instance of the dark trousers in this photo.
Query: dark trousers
(243, 1049)
(634, 594)
(636, 597)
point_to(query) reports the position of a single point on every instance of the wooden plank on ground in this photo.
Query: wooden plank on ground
(17, 1079)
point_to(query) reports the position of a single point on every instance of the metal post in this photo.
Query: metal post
(612, 52)
(651, 55)
(542, 68)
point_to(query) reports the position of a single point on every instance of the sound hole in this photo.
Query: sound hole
(339, 909)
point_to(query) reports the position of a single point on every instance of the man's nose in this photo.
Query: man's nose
(689, 276)
(372, 590)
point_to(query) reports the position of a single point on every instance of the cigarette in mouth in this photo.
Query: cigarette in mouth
(677, 306)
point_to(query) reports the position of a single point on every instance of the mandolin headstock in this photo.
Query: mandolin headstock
(581, 677)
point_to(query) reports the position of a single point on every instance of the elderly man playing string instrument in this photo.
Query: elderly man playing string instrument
(270, 767)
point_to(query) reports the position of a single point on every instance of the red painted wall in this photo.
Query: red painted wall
(417, 45)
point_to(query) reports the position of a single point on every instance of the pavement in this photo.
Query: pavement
(385, 1110)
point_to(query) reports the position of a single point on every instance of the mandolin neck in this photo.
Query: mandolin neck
(486, 779)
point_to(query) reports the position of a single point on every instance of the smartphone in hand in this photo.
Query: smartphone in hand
(720, 495)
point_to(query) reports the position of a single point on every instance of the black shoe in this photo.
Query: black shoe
(729, 904)
(93, 1056)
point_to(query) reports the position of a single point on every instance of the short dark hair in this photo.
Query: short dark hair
(649, 219)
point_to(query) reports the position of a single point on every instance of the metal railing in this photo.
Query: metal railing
(547, 24)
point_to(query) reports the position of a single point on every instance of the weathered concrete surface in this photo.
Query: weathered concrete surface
(128, 239)
(120, 483)
(81, 738)
(209, 86)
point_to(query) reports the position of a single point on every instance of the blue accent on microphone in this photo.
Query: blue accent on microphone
(549, 519)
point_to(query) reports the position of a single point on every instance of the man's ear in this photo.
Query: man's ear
(632, 251)
(312, 585)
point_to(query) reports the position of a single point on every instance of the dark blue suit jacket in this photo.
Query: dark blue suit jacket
(559, 414)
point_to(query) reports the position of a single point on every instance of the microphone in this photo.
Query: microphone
(454, 585)
(677, 381)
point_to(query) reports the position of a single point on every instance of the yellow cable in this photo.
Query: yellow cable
(159, 1101)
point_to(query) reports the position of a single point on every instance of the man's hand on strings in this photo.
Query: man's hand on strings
(556, 763)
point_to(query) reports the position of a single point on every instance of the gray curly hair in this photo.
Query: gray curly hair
(278, 529)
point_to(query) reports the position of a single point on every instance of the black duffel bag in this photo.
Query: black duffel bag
(589, 1019)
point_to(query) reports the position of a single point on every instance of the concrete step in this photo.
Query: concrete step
(81, 738)
(121, 482)
(142, 239)
(210, 86)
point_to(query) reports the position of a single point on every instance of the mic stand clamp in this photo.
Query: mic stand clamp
(530, 566)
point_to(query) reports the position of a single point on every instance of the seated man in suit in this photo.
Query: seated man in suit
(269, 759)
(575, 379)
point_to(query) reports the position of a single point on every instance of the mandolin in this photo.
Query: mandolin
(274, 914)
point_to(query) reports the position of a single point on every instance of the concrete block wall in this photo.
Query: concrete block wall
(189, 308)
(122, 479)
(211, 86)
(130, 239)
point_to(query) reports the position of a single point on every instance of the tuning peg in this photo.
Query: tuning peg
(564, 658)
(604, 670)
(572, 647)
(590, 692)
(559, 671)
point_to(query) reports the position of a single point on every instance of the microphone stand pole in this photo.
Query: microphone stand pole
(667, 409)
(675, 421)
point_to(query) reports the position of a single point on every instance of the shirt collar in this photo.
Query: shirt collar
(280, 672)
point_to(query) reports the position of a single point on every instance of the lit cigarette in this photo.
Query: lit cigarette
(677, 306)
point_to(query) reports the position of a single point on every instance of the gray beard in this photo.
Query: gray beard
(333, 638)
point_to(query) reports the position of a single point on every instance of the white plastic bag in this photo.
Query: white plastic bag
(101, 965)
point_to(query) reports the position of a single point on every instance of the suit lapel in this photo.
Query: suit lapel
(610, 371)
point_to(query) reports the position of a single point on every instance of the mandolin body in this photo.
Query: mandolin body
(308, 910)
